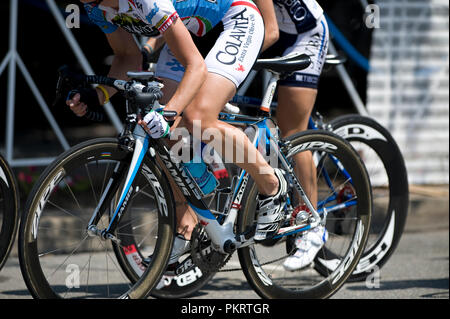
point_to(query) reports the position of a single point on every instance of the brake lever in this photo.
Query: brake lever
(167, 113)
(67, 80)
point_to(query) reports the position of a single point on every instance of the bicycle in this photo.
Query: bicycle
(389, 181)
(9, 210)
(387, 170)
(216, 237)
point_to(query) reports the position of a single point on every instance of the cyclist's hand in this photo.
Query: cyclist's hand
(82, 99)
(155, 125)
(77, 107)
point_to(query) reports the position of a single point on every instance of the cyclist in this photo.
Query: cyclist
(194, 86)
(298, 26)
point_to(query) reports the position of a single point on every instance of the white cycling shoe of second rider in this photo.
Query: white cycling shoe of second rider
(307, 247)
(271, 210)
(180, 247)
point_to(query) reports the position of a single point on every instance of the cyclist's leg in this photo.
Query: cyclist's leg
(186, 218)
(229, 62)
(295, 105)
(297, 95)
(205, 109)
(296, 98)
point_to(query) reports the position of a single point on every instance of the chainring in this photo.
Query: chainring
(203, 254)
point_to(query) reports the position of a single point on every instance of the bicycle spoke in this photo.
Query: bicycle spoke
(91, 183)
(71, 192)
(70, 255)
(65, 211)
(104, 177)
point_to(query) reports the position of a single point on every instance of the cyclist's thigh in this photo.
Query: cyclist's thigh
(209, 101)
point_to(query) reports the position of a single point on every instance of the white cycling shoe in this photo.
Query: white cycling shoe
(180, 247)
(308, 246)
(271, 210)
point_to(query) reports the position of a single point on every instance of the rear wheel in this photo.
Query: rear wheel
(347, 223)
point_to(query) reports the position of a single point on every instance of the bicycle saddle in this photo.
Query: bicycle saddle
(289, 63)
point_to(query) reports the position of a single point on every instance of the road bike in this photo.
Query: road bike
(387, 171)
(100, 192)
(389, 178)
(9, 210)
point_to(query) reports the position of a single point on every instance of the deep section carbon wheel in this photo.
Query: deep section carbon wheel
(338, 171)
(59, 258)
(389, 179)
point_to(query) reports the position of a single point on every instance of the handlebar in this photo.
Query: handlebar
(143, 90)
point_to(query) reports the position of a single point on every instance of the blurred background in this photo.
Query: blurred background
(398, 71)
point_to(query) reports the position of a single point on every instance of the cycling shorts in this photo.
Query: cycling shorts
(234, 51)
(314, 43)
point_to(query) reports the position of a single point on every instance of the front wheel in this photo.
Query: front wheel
(345, 204)
(59, 258)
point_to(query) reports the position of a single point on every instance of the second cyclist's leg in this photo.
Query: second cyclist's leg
(295, 105)
(294, 109)
(296, 98)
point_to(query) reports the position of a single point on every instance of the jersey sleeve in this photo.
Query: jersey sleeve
(159, 13)
(97, 17)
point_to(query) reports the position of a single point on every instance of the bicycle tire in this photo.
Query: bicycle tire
(58, 188)
(9, 210)
(386, 156)
(182, 285)
(261, 268)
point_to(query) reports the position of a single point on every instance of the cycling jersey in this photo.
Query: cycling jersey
(153, 17)
(235, 49)
(297, 16)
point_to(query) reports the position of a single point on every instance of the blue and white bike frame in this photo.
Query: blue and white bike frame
(220, 229)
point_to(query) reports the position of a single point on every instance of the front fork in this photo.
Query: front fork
(141, 145)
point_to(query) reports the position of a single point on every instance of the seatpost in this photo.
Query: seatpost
(269, 94)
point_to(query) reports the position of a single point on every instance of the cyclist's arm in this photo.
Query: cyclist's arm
(127, 56)
(183, 48)
(271, 33)
(153, 44)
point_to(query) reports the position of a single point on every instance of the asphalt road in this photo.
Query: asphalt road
(419, 269)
